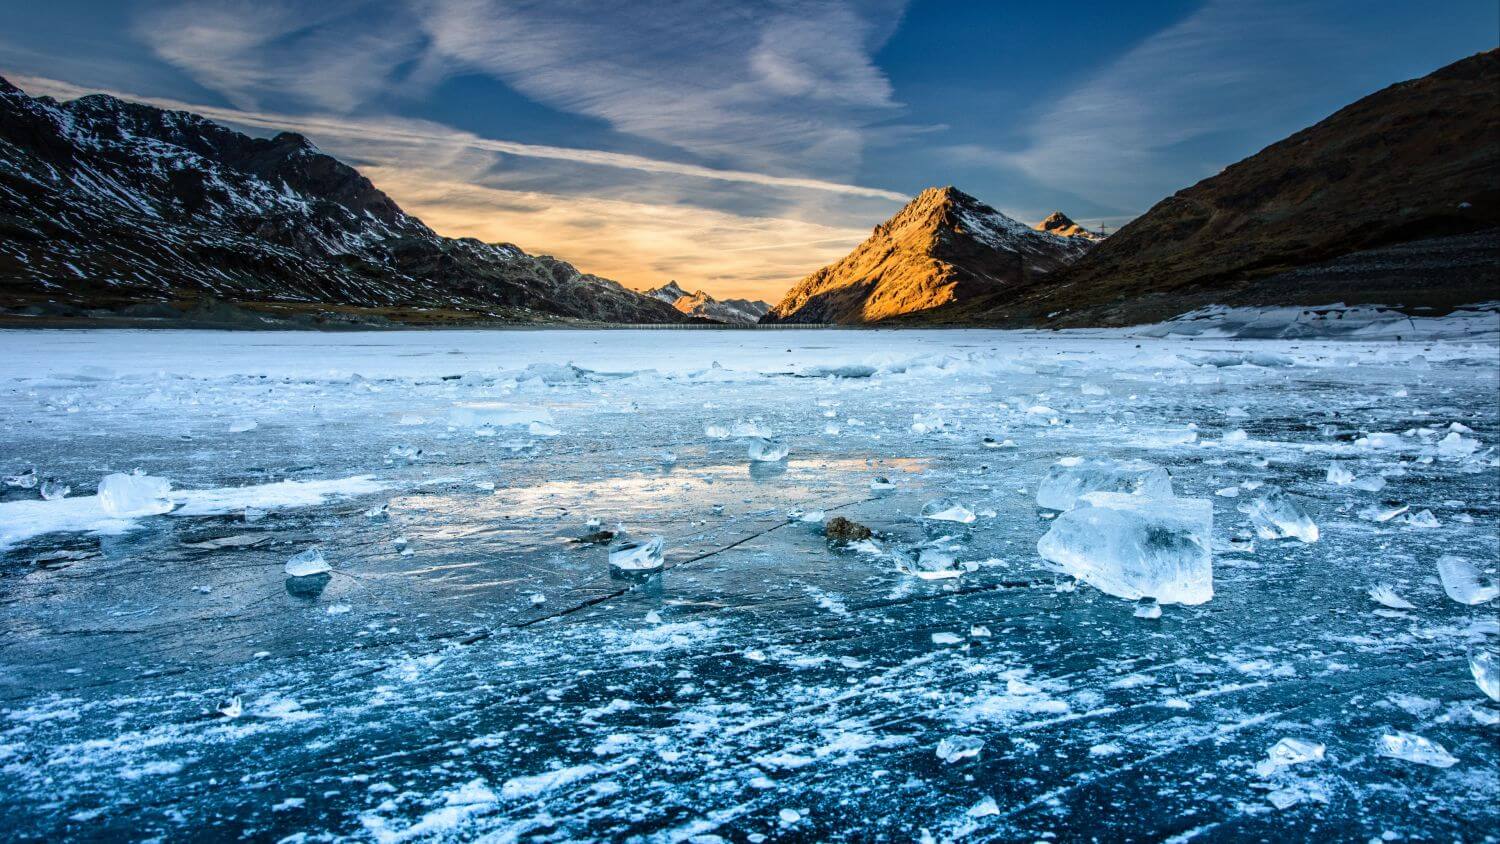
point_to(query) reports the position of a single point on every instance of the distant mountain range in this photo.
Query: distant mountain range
(944, 247)
(109, 207)
(700, 304)
(115, 210)
(1392, 200)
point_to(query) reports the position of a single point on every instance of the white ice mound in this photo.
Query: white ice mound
(1274, 515)
(1135, 547)
(129, 496)
(1462, 582)
(308, 563)
(1072, 477)
(632, 555)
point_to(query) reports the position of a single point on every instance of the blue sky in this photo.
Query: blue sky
(738, 146)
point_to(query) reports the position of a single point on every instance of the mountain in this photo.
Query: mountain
(1392, 200)
(108, 207)
(1062, 225)
(702, 305)
(943, 247)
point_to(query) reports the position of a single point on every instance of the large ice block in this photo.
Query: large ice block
(1136, 547)
(134, 495)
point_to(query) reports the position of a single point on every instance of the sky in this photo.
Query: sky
(738, 146)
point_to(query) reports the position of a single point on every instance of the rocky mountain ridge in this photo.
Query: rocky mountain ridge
(700, 304)
(107, 205)
(943, 247)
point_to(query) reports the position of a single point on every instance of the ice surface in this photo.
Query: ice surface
(1274, 515)
(1072, 477)
(307, 563)
(132, 495)
(420, 693)
(1463, 583)
(1135, 547)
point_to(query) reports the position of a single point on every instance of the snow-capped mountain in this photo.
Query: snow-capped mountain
(1062, 225)
(106, 204)
(943, 247)
(700, 304)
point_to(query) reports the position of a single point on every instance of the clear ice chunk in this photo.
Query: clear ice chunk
(240, 426)
(882, 484)
(1288, 752)
(1410, 747)
(1148, 609)
(1456, 446)
(632, 556)
(1072, 477)
(763, 450)
(947, 510)
(955, 748)
(1385, 595)
(1339, 476)
(930, 562)
(1274, 515)
(1134, 547)
(22, 480)
(307, 564)
(750, 428)
(134, 495)
(1485, 667)
(53, 489)
(1462, 582)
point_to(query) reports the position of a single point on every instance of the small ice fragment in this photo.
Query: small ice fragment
(240, 426)
(1424, 519)
(380, 512)
(538, 599)
(1456, 446)
(406, 452)
(1385, 595)
(22, 480)
(1370, 483)
(1411, 747)
(946, 638)
(984, 808)
(763, 450)
(947, 510)
(542, 429)
(1380, 440)
(1384, 511)
(789, 816)
(1485, 667)
(487, 486)
(1070, 478)
(1134, 547)
(632, 556)
(1288, 752)
(755, 655)
(1236, 436)
(1339, 476)
(716, 432)
(253, 514)
(979, 631)
(307, 563)
(667, 458)
(231, 707)
(1148, 609)
(956, 748)
(1274, 515)
(653, 617)
(135, 494)
(1089, 388)
(411, 419)
(881, 484)
(1228, 492)
(1461, 581)
(338, 609)
(932, 563)
(53, 489)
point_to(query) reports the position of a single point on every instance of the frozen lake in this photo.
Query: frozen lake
(470, 669)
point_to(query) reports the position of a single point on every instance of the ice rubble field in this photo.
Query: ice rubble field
(468, 669)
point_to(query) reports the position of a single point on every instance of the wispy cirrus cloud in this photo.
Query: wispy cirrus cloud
(776, 85)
